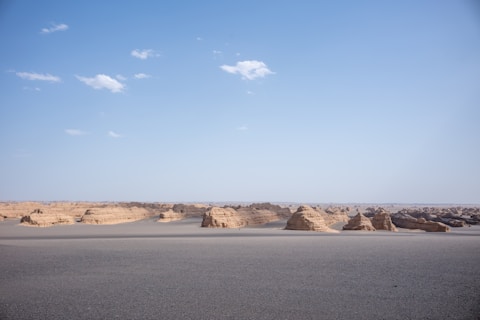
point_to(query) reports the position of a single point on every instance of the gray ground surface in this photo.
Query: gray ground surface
(149, 270)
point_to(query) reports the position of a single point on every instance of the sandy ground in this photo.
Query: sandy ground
(177, 270)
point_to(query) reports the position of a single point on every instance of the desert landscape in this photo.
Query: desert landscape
(132, 260)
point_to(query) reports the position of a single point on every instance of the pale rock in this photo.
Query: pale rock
(216, 217)
(115, 214)
(307, 219)
(39, 218)
(383, 221)
(403, 220)
(359, 222)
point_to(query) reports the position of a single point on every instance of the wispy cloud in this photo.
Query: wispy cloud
(38, 76)
(55, 28)
(249, 69)
(141, 76)
(144, 54)
(75, 132)
(37, 89)
(102, 81)
(242, 128)
(114, 134)
(121, 77)
(217, 54)
(199, 38)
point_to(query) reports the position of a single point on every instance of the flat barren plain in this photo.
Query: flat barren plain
(178, 270)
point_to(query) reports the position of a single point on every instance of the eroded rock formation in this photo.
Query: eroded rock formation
(238, 216)
(39, 218)
(115, 214)
(359, 222)
(383, 221)
(403, 220)
(307, 219)
(182, 211)
(216, 217)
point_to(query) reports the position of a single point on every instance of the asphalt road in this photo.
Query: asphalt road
(178, 271)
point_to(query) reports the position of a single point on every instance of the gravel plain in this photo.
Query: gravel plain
(177, 270)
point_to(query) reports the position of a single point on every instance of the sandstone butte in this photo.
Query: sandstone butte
(183, 211)
(403, 220)
(20, 209)
(38, 218)
(238, 217)
(116, 214)
(382, 221)
(359, 222)
(308, 219)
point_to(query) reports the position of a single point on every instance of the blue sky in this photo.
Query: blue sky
(295, 101)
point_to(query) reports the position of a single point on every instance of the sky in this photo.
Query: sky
(281, 101)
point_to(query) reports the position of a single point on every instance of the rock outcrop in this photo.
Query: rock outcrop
(359, 222)
(403, 220)
(452, 216)
(39, 218)
(238, 217)
(382, 221)
(182, 211)
(115, 214)
(333, 215)
(216, 217)
(307, 219)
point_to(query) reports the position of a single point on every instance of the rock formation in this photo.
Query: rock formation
(115, 214)
(39, 218)
(237, 217)
(333, 215)
(403, 220)
(216, 217)
(307, 219)
(382, 221)
(359, 222)
(452, 216)
(182, 211)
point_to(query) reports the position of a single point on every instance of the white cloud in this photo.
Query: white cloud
(120, 77)
(114, 135)
(75, 132)
(54, 28)
(38, 76)
(242, 128)
(102, 81)
(250, 92)
(249, 69)
(142, 76)
(32, 89)
(217, 54)
(199, 38)
(144, 54)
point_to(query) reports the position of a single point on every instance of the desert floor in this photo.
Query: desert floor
(177, 270)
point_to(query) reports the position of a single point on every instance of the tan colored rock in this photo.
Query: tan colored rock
(382, 221)
(115, 214)
(359, 222)
(39, 218)
(18, 209)
(238, 217)
(307, 219)
(402, 220)
(333, 215)
(216, 217)
(170, 215)
(182, 211)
